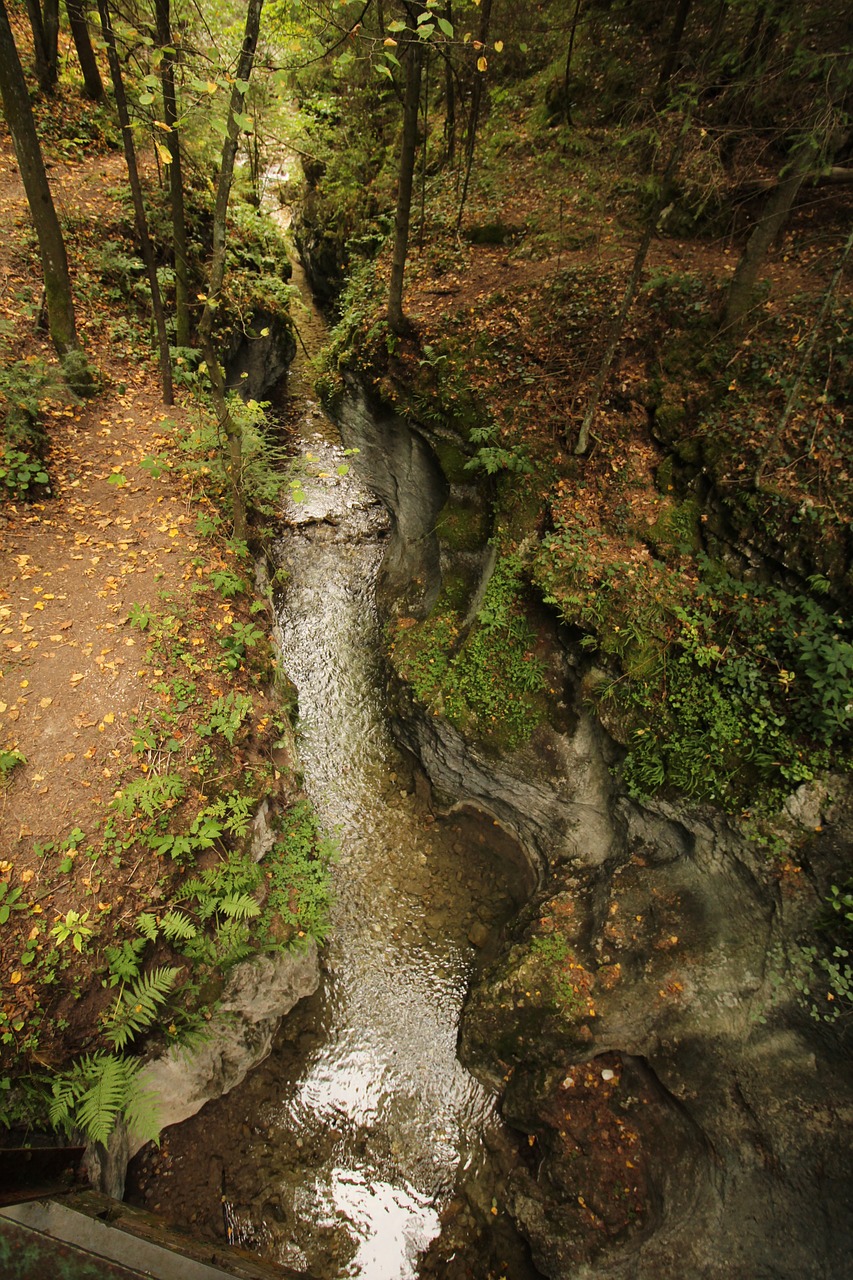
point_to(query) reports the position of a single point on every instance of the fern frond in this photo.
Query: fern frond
(136, 1008)
(146, 923)
(239, 906)
(110, 1082)
(142, 1112)
(62, 1104)
(149, 794)
(176, 925)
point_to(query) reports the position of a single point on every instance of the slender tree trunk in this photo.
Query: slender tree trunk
(176, 181)
(424, 148)
(474, 119)
(19, 117)
(40, 58)
(50, 18)
(567, 74)
(138, 202)
(742, 290)
(414, 62)
(449, 97)
(672, 50)
(630, 292)
(227, 425)
(92, 82)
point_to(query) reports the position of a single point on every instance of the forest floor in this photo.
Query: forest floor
(90, 692)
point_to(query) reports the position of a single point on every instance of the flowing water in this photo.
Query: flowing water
(346, 1144)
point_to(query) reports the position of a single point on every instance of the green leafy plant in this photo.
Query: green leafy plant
(75, 927)
(20, 473)
(298, 873)
(137, 1006)
(150, 795)
(10, 760)
(228, 583)
(10, 900)
(140, 616)
(226, 716)
(97, 1090)
(242, 637)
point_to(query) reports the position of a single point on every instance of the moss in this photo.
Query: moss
(463, 528)
(677, 530)
(669, 417)
(452, 460)
(665, 475)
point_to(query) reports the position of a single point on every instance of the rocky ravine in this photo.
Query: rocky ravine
(686, 1115)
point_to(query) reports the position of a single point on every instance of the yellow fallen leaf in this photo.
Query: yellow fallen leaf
(3, 707)
(77, 677)
(109, 717)
(27, 875)
(45, 702)
(16, 977)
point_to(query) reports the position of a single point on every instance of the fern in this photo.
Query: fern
(93, 1094)
(142, 1114)
(150, 795)
(124, 960)
(146, 923)
(239, 906)
(177, 926)
(136, 1008)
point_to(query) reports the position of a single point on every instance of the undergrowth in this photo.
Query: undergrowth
(487, 679)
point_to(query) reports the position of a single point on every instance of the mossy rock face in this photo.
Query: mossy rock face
(669, 418)
(678, 529)
(452, 460)
(689, 451)
(665, 475)
(463, 528)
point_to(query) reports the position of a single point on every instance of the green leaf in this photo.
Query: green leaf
(446, 27)
(145, 99)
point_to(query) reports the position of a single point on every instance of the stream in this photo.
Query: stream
(338, 1154)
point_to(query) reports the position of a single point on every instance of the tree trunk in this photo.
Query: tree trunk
(176, 181)
(40, 57)
(138, 202)
(229, 428)
(567, 74)
(671, 56)
(474, 119)
(742, 290)
(19, 117)
(414, 62)
(92, 82)
(449, 97)
(50, 18)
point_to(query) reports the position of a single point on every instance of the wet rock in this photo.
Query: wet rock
(478, 935)
(257, 996)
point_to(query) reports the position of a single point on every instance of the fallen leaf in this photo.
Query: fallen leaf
(45, 702)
